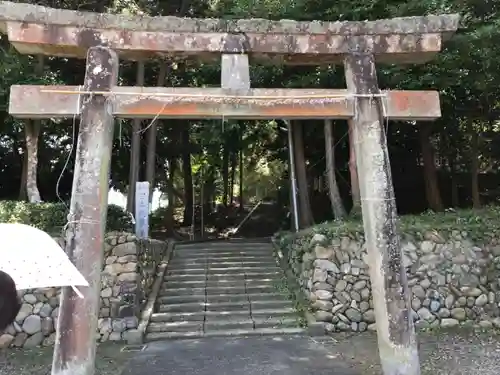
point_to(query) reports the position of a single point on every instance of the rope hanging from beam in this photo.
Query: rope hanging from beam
(214, 96)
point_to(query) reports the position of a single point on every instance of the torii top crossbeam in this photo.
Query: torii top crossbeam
(36, 29)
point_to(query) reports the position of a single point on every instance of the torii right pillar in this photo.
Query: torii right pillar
(391, 296)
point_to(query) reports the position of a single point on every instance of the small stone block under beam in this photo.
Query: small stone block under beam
(36, 29)
(30, 101)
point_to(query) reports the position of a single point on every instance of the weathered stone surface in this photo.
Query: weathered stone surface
(319, 275)
(35, 102)
(326, 265)
(128, 248)
(413, 39)
(353, 315)
(323, 316)
(482, 300)
(341, 285)
(324, 295)
(458, 313)
(323, 252)
(322, 305)
(35, 323)
(5, 340)
(24, 312)
(34, 341)
(32, 324)
(450, 278)
(447, 323)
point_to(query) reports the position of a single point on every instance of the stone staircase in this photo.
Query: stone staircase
(224, 288)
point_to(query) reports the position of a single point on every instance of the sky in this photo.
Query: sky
(120, 199)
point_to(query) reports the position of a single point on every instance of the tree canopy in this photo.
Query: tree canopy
(452, 162)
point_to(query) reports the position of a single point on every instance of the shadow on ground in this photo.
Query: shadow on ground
(441, 353)
(289, 355)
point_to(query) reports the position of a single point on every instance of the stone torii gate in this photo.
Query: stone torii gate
(101, 38)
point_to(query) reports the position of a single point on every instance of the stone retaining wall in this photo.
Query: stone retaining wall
(453, 281)
(128, 272)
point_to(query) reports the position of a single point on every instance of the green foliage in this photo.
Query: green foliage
(51, 217)
(478, 225)
(466, 73)
(157, 218)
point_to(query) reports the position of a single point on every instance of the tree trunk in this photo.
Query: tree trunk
(305, 216)
(32, 133)
(225, 174)
(430, 174)
(152, 136)
(242, 208)
(455, 200)
(188, 177)
(233, 176)
(333, 188)
(135, 150)
(353, 171)
(23, 194)
(169, 219)
(208, 192)
(474, 169)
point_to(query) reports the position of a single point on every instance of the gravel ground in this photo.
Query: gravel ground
(110, 361)
(441, 352)
(457, 353)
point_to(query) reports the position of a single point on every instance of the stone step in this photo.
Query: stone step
(238, 270)
(202, 284)
(234, 281)
(244, 305)
(273, 312)
(184, 278)
(202, 298)
(275, 322)
(217, 254)
(245, 297)
(183, 326)
(229, 258)
(258, 265)
(219, 270)
(221, 323)
(257, 274)
(170, 292)
(165, 300)
(186, 271)
(156, 336)
(236, 263)
(244, 312)
(178, 316)
(186, 284)
(228, 324)
(220, 245)
(218, 290)
(214, 276)
(279, 303)
(202, 306)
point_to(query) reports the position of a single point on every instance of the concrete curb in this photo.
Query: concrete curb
(136, 337)
(314, 328)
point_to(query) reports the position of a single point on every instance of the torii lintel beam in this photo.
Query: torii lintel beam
(211, 103)
(34, 29)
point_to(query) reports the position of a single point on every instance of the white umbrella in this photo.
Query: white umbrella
(35, 260)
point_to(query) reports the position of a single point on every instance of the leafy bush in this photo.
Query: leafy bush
(479, 225)
(51, 217)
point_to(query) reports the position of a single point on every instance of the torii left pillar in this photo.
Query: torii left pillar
(75, 346)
